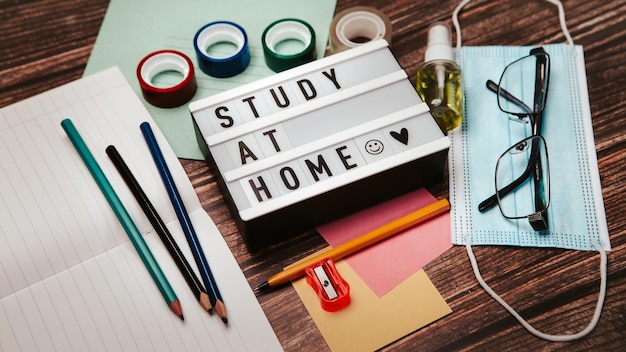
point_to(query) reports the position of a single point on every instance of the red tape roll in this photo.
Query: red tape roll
(162, 61)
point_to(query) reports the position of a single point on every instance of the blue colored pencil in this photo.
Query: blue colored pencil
(183, 217)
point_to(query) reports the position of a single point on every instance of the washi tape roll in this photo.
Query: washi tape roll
(357, 25)
(280, 34)
(164, 61)
(216, 64)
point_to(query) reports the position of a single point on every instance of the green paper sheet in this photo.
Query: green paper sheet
(133, 29)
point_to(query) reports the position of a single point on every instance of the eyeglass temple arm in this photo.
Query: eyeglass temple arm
(539, 220)
(494, 87)
(493, 200)
(541, 80)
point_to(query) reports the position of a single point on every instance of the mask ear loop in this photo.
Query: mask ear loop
(557, 3)
(525, 324)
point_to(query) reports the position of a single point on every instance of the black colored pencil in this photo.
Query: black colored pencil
(159, 226)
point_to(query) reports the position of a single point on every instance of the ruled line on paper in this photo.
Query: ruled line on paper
(115, 280)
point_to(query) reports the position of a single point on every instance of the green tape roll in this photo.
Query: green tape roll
(284, 33)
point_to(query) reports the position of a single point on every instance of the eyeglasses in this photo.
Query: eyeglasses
(522, 177)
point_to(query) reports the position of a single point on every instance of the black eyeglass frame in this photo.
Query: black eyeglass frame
(539, 219)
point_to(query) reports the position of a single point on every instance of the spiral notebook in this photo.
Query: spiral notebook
(70, 280)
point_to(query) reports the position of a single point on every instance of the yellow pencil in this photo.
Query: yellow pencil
(357, 244)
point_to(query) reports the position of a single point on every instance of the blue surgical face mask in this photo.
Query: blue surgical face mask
(576, 211)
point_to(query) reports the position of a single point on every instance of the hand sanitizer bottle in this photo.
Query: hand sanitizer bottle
(439, 81)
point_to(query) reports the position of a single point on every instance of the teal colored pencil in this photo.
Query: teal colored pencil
(124, 218)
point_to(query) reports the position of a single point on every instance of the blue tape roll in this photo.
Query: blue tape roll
(222, 32)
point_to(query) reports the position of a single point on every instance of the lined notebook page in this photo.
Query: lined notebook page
(70, 280)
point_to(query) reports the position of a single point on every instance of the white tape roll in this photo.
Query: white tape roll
(358, 25)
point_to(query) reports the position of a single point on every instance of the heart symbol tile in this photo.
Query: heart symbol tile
(402, 137)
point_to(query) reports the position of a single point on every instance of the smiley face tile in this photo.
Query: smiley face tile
(373, 146)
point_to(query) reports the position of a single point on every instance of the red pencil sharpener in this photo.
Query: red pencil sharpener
(332, 290)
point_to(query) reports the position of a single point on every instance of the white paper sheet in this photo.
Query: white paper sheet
(70, 280)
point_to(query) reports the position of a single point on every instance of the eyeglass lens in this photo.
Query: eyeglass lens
(532, 196)
(524, 85)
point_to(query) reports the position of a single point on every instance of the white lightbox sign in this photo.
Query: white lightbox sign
(319, 141)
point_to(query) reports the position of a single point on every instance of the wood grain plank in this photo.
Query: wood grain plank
(47, 43)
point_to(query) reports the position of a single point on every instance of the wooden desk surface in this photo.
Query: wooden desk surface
(47, 43)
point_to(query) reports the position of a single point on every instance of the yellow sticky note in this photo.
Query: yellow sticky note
(370, 322)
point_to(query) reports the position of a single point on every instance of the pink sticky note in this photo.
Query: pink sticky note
(385, 265)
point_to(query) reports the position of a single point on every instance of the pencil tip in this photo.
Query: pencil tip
(220, 309)
(262, 287)
(177, 309)
(205, 302)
